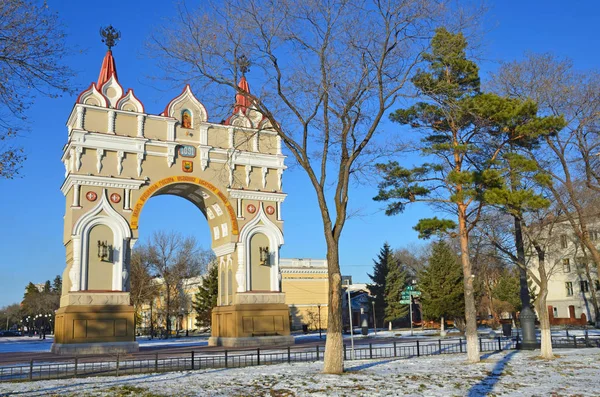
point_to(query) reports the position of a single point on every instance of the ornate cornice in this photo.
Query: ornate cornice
(254, 195)
(296, 270)
(102, 181)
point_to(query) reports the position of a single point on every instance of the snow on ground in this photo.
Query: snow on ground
(509, 373)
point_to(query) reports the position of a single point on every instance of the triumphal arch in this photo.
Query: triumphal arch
(116, 158)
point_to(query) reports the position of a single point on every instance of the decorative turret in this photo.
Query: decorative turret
(107, 91)
(244, 111)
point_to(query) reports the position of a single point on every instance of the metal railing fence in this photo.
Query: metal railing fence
(194, 360)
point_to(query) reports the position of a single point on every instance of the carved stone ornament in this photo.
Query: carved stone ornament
(270, 210)
(251, 208)
(91, 196)
(115, 198)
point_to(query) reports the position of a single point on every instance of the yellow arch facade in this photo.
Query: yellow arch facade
(116, 158)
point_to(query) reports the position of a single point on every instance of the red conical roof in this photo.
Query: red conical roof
(109, 68)
(242, 102)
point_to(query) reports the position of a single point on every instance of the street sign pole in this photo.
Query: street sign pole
(411, 316)
(350, 313)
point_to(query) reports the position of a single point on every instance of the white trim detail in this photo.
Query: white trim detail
(111, 121)
(224, 249)
(120, 155)
(130, 98)
(248, 171)
(93, 92)
(99, 154)
(102, 181)
(264, 177)
(141, 119)
(259, 224)
(121, 233)
(259, 196)
(186, 95)
(140, 158)
(78, 153)
(112, 83)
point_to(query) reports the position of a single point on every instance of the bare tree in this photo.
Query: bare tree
(143, 289)
(174, 258)
(539, 234)
(31, 53)
(329, 71)
(571, 157)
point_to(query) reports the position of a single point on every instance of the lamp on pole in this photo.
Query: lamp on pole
(319, 307)
(350, 316)
(374, 318)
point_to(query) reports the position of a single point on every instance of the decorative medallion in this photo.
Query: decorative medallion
(91, 196)
(187, 151)
(187, 166)
(251, 208)
(270, 210)
(115, 198)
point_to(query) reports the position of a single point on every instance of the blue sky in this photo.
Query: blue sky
(32, 207)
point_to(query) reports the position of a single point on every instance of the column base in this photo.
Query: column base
(252, 341)
(94, 348)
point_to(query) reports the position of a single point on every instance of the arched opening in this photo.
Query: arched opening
(189, 210)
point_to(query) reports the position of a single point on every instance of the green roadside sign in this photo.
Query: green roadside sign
(405, 301)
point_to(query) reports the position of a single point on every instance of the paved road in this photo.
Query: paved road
(167, 350)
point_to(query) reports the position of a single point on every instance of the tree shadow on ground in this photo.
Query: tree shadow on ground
(371, 364)
(486, 385)
(85, 386)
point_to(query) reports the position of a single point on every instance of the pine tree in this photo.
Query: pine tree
(380, 270)
(463, 133)
(507, 289)
(206, 297)
(57, 285)
(394, 284)
(441, 285)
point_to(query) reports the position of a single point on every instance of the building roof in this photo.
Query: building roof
(108, 69)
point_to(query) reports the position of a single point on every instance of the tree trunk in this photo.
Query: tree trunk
(470, 311)
(334, 346)
(442, 324)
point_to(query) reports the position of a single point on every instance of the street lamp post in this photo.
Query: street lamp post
(374, 318)
(350, 316)
(319, 307)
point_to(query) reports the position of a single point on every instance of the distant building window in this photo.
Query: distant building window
(569, 286)
(564, 243)
(555, 311)
(566, 265)
(585, 287)
(594, 235)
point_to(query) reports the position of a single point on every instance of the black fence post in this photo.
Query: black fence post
(370, 350)
(117, 364)
(76, 366)
(440, 345)
(258, 356)
(418, 350)
(317, 352)
(156, 362)
(587, 341)
(192, 359)
(499, 344)
(289, 355)
(480, 344)
(226, 364)
(31, 369)
(460, 344)
(395, 354)
(575, 341)
(345, 358)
